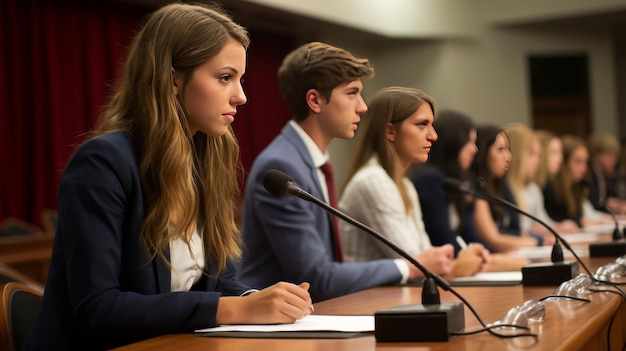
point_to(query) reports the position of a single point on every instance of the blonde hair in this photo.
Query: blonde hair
(543, 174)
(391, 105)
(187, 179)
(522, 140)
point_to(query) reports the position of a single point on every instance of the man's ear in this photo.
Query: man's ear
(390, 132)
(177, 81)
(314, 100)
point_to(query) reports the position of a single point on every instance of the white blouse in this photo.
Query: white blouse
(371, 197)
(187, 262)
(533, 198)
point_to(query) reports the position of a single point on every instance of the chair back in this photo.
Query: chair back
(10, 274)
(19, 305)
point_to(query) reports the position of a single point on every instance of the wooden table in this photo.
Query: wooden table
(568, 325)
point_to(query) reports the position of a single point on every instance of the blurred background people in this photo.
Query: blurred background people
(498, 228)
(606, 181)
(526, 157)
(565, 195)
(448, 216)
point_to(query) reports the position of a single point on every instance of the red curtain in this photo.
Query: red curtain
(57, 61)
(263, 116)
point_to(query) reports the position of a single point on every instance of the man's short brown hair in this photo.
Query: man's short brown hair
(317, 66)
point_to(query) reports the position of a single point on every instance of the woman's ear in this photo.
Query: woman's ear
(390, 131)
(314, 100)
(177, 81)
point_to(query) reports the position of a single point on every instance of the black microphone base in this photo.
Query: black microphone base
(419, 322)
(549, 273)
(608, 249)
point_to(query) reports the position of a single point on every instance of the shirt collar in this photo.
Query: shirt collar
(319, 157)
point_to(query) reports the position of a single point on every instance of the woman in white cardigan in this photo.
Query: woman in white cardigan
(396, 132)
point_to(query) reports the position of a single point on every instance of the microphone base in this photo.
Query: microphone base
(549, 273)
(608, 249)
(418, 322)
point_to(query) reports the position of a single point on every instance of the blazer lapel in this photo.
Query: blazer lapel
(293, 137)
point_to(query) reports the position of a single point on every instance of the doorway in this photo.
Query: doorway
(560, 93)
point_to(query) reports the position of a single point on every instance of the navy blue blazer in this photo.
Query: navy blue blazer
(290, 239)
(103, 290)
(435, 212)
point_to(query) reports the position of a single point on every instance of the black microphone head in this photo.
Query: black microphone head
(452, 185)
(277, 182)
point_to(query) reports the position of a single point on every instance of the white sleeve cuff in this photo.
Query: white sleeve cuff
(248, 292)
(404, 270)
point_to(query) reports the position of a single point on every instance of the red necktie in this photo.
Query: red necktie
(328, 174)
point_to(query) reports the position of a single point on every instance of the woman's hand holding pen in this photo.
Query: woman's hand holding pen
(280, 303)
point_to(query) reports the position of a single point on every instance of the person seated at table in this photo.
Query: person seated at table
(445, 213)
(498, 228)
(526, 153)
(291, 239)
(565, 195)
(396, 132)
(606, 188)
(146, 238)
(448, 216)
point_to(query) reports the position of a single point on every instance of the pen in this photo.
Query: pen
(461, 242)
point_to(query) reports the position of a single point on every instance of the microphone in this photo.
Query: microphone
(617, 235)
(534, 274)
(615, 248)
(438, 320)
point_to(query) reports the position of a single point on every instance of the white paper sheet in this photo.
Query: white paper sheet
(533, 253)
(512, 276)
(308, 323)
(602, 228)
(582, 237)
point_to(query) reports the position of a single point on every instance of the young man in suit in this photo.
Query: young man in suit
(292, 239)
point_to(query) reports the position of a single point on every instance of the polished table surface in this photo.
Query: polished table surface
(568, 325)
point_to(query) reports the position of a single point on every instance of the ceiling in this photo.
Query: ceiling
(254, 16)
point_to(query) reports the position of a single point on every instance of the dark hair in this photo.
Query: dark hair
(572, 194)
(486, 135)
(453, 129)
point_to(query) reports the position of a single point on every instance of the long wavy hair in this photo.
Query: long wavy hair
(522, 140)
(568, 192)
(453, 130)
(390, 105)
(543, 175)
(189, 181)
(486, 135)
